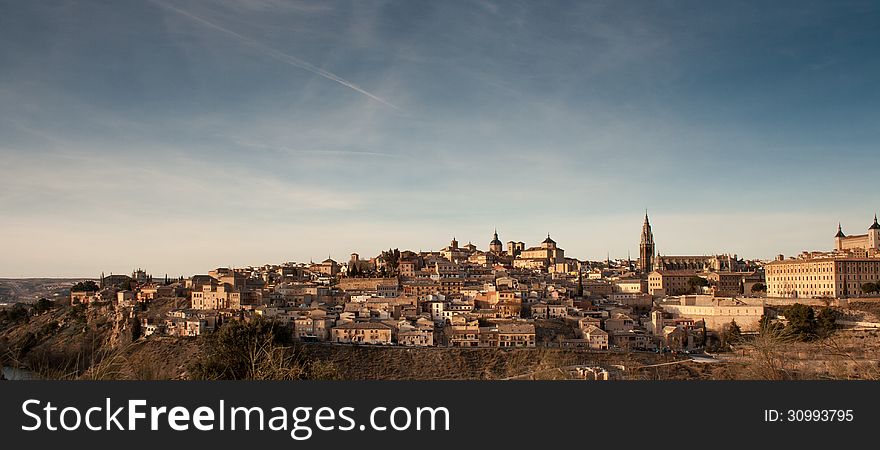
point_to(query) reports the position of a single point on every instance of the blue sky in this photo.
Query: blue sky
(183, 136)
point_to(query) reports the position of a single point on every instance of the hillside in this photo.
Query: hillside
(31, 289)
(98, 343)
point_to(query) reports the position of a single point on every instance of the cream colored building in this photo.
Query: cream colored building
(327, 267)
(308, 327)
(620, 322)
(362, 333)
(868, 243)
(596, 337)
(461, 332)
(416, 337)
(670, 282)
(714, 312)
(82, 297)
(454, 253)
(216, 296)
(632, 285)
(838, 274)
(508, 334)
(831, 275)
(542, 257)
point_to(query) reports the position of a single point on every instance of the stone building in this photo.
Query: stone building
(328, 267)
(714, 312)
(651, 260)
(545, 256)
(825, 276)
(868, 243)
(216, 296)
(854, 262)
(362, 333)
(670, 282)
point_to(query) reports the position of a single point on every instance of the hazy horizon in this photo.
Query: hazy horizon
(180, 137)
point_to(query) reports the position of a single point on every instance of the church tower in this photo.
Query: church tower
(657, 321)
(646, 247)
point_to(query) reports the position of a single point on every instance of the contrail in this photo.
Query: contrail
(279, 55)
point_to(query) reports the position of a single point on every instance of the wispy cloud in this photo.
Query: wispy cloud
(194, 133)
(279, 55)
(315, 152)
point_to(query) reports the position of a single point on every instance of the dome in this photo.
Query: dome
(495, 240)
(875, 225)
(548, 240)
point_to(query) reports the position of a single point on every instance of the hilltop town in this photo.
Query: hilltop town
(503, 297)
(461, 296)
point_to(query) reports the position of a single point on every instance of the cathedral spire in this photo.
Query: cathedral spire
(646, 247)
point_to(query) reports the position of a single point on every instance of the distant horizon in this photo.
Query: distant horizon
(344, 257)
(193, 134)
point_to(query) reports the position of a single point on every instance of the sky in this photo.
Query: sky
(182, 136)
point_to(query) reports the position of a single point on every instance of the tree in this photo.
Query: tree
(697, 284)
(731, 332)
(801, 321)
(870, 288)
(85, 286)
(245, 350)
(257, 350)
(759, 287)
(826, 321)
(43, 305)
(18, 312)
(766, 357)
(769, 326)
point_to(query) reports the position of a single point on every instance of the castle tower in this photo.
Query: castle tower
(646, 247)
(874, 235)
(495, 246)
(838, 238)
